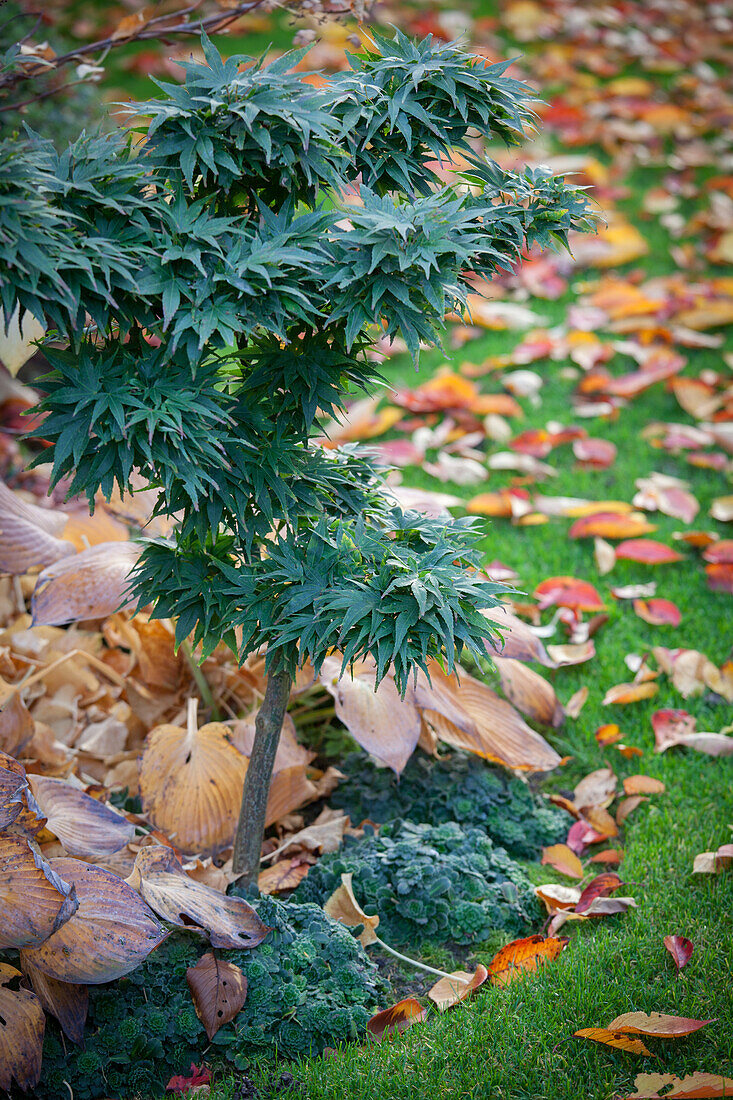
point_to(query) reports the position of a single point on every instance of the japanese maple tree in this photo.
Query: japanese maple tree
(210, 292)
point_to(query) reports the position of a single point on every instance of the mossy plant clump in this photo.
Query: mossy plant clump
(458, 788)
(310, 985)
(441, 884)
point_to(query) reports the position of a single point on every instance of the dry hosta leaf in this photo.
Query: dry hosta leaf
(448, 992)
(656, 1023)
(35, 900)
(524, 956)
(710, 863)
(13, 787)
(29, 535)
(383, 723)
(289, 789)
(16, 726)
(286, 874)
(218, 989)
(469, 715)
(627, 806)
(343, 906)
(617, 1039)
(622, 694)
(22, 1024)
(17, 338)
(67, 1002)
(110, 934)
(85, 826)
(696, 1086)
(159, 878)
(397, 1018)
(191, 783)
(563, 859)
(90, 585)
(517, 640)
(529, 692)
(643, 784)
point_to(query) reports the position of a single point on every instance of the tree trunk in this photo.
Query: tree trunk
(251, 825)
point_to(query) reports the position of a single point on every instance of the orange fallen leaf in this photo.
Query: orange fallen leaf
(616, 1039)
(563, 859)
(524, 956)
(656, 1023)
(450, 991)
(720, 577)
(568, 592)
(622, 694)
(695, 1086)
(643, 784)
(397, 1018)
(658, 612)
(608, 734)
(610, 856)
(627, 806)
(611, 525)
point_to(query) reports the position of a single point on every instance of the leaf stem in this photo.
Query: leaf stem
(411, 962)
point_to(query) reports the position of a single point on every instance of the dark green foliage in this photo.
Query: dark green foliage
(310, 985)
(438, 883)
(458, 788)
(234, 292)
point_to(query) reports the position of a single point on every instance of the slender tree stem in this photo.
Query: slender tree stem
(411, 962)
(251, 826)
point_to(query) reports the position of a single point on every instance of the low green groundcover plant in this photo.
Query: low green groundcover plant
(429, 883)
(458, 788)
(310, 985)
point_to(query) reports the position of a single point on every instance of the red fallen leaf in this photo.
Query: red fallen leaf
(597, 454)
(719, 553)
(647, 551)
(182, 1084)
(658, 612)
(581, 835)
(568, 592)
(611, 525)
(397, 1018)
(663, 363)
(720, 577)
(656, 1023)
(680, 948)
(677, 727)
(600, 887)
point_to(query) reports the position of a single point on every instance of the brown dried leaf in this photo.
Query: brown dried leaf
(529, 692)
(90, 585)
(159, 878)
(563, 860)
(711, 863)
(627, 806)
(396, 1019)
(286, 874)
(67, 1002)
(16, 726)
(29, 535)
(656, 1023)
(22, 1024)
(110, 934)
(218, 989)
(517, 640)
(343, 906)
(34, 899)
(85, 826)
(448, 992)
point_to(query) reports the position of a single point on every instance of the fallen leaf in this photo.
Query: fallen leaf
(598, 788)
(529, 692)
(647, 551)
(524, 956)
(196, 1083)
(576, 702)
(85, 826)
(658, 612)
(616, 1039)
(29, 536)
(611, 525)
(557, 898)
(656, 1023)
(90, 585)
(643, 784)
(35, 900)
(680, 948)
(568, 592)
(621, 694)
(343, 906)
(563, 859)
(720, 577)
(218, 989)
(627, 806)
(159, 878)
(596, 454)
(599, 887)
(18, 339)
(22, 1024)
(711, 863)
(66, 1001)
(695, 1086)
(604, 556)
(286, 874)
(611, 856)
(722, 509)
(608, 734)
(517, 640)
(110, 934)
(396, 1019)
(448, 992)
(16, 729)
(563, 655)
(677, 727)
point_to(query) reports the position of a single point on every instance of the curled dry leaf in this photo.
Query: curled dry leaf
(29, 535)
(658, 612)
(159, 878)
(85, 826)
(382, 722)
(35, 900)
(325, 835)
(576, 702)
(529, 692)
(13, 787)
(622, 694)
(286, 874)
(643, 784)
(711, 863)
(343, 906)
(16, 726)
(656, 1023)
(618, 1039)
(191, 784)
(563, 859)
(22, 1024)
(695, 1086)
(563, 655)
(395, 1019)
(524, 956)
(677, 727)
(517, 639)
(90, 585)
(110, 934)
(67, 1002)
(218, 989)
(680, 948)
(448, 992)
